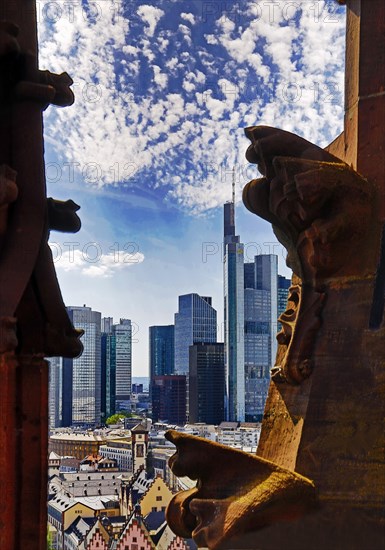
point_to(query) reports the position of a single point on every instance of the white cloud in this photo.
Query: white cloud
(130, 50)
(151, 16)
(297, 71)
(160, 78)
(186, 33)
(188, 17)
(188, 85)
(91, 262)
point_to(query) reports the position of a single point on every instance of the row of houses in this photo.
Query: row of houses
(131, 514)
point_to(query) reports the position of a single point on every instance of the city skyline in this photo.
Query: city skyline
(163, 92)
(108, 322)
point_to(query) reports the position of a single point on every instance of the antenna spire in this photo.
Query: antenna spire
(234, 185)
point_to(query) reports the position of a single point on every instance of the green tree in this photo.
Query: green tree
(115, 418)
(49, 541)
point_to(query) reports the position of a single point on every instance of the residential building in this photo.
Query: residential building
(233, 277)
(169, 399)
(207, 383)
(156, 498)
(81, 386)
(80, 444)
(86, 483)
(241, 435)
(63, 509)
(135, 534)
(121, 451)
(82, 529)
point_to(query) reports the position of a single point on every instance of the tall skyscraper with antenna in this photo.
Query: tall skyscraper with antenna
(233, 276)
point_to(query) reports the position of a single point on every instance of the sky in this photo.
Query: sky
(163, 92)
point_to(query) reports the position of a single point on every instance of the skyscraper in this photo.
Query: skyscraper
(195, 322)
(283, 291)
(81, 388)
(162, 355)
(207, 383)
(169, 399)
(118, 367)
(233, 317)
(106, 405)
(55, 392)
(261, 311)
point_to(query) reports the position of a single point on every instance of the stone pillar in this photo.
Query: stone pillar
(33, 320)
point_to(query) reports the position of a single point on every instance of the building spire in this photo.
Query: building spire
(233, 185)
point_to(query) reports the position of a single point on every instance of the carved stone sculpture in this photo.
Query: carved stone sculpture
(34, 323)
(325, 410)
(211, 513)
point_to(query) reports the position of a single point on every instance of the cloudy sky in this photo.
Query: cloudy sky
(163, 91)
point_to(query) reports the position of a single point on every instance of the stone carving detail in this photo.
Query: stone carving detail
(322, 212)
(300, 323)
(48, 88)
(211, 513)
(62, 215)
(8, 194)
(33, 318)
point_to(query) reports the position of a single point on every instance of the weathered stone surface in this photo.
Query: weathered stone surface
(213, 513)
(324, 416)
(33, 319)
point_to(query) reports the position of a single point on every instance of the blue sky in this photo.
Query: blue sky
(163, 92)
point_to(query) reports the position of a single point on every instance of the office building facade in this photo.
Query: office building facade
(106, 404)
(117, 366)
(233, 277)
(260, 329)
(207, 383)
(169, 399)
(283, 291)
(161, 352)
(55, 369)
(81, 381)
(121, 355)
(195, 322)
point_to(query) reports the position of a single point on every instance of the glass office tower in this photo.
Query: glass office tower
(207, 383)
(162, 354)
(233, 318)
(55, 392)
(116, 366)
(121, 363)
(261, 312)
(82, 376)
(195, 322)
